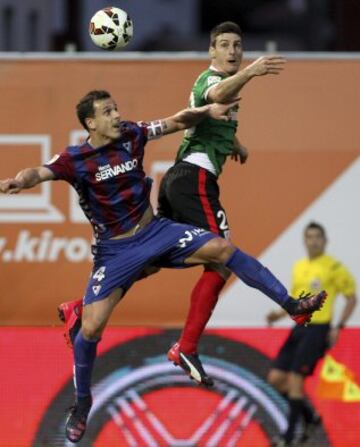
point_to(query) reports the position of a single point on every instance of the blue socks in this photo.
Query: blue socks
(84, 357)
(254, 274)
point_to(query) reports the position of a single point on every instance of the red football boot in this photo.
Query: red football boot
(191, 364)
(70, 314)
(306, 306)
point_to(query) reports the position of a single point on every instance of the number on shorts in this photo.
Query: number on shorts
(223, 224)
(100, 273)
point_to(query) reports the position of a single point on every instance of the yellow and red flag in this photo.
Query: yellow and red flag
(337, 381)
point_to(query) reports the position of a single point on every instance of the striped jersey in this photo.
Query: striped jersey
(212, 137)
(113, 189)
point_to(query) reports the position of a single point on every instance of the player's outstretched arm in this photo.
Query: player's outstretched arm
(27, 178)
(229, 88)
(275, 315)
(190, 117)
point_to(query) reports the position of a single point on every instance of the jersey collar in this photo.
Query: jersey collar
(212, 68)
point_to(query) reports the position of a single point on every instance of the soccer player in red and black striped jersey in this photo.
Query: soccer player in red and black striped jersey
(107, 172)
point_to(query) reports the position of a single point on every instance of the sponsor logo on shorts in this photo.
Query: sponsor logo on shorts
(189, 236)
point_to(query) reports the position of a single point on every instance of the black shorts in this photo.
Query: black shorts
(190, 194)
(303, 348)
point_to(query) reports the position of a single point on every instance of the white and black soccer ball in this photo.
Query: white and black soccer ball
(111, 28)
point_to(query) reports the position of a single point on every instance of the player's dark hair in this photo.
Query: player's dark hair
(85, 107)
(224, 27)
(315, 226)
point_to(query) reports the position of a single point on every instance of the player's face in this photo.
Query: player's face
(315, 242)
(227, 53)
(106, 122)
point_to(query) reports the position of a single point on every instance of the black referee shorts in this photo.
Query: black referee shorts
(190, 194)
(303, 348)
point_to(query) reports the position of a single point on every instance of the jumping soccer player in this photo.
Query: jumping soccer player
(107, 172)
(189, 192)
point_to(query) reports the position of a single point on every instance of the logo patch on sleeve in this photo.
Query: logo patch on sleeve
(213, 80)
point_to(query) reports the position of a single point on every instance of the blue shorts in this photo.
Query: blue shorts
(119, 263)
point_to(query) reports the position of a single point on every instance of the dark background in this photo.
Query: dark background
(184, 25)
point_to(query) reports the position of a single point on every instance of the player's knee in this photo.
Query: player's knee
(278, 380)
(215, 251)
(91, 330)
(273, 378)
(221, 250)
(296, 385)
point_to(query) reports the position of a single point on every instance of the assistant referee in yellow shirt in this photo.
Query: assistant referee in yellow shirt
(305, 346)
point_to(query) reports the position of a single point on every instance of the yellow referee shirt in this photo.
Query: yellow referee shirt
(322, 273)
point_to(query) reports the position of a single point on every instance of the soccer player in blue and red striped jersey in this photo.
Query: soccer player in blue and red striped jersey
(107, 172)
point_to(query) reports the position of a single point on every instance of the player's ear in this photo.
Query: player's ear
(90, 123)
(212, 51)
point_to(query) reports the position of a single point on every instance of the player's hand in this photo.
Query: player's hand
(272, 316)
(333, 336)
(240, 154)
(10, 186)
(220, 111)
(265, 65)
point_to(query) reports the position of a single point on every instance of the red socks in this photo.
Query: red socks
(203, 301)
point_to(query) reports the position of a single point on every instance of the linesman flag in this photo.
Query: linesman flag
(337, 382)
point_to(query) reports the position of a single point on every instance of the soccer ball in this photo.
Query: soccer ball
(111, 28)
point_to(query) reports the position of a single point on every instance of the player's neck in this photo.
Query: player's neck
(217, 67)
(96, 141)
(313, 256)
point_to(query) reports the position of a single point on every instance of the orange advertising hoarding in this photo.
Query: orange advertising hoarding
(301, 129)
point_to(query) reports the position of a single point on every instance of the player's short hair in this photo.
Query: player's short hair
(315, 226)
(85, 107)
(224, 27)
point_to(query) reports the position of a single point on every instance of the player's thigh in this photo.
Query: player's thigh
(119, 263)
